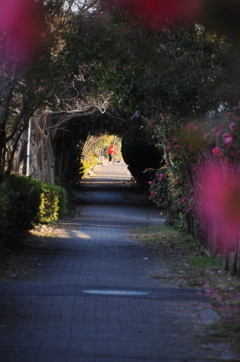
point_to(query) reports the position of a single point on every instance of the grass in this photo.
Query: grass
(191, 265)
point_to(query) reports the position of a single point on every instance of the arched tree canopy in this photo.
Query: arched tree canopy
(98, 70)
(136, 151)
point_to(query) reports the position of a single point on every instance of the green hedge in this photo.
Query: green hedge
(53, 202)
(25, 201)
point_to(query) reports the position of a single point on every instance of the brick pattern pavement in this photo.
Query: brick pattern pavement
(53, 317)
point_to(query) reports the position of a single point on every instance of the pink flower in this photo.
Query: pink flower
(227, 138)
(232, 126)
(205, 136)
(228, 115)
(217, 202)
(177, 146)
(160, 200)
(150, 182)
(217, 151)
(184, 199)
(20, 21)
(169, 147)
(192, 127)
(161, 175)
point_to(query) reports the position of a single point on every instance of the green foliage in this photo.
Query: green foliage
(140, 157)
(48, 210)
(88, 164)
(24, 202)
(53, 202)
(20, 201)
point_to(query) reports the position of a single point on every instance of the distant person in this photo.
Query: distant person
(111, 151)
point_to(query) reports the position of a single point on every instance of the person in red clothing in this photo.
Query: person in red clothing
(111, 151)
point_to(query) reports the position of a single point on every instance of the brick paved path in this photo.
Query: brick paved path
(91, 298)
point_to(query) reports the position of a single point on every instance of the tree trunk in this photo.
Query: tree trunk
(2, 146)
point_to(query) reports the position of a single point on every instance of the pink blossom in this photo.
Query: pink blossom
(150, 182)
(229, 114)
(177, 146)
(217, 202)
(205, 136)
(227, 138)
(20, 21)
(217, 151)
(161, 175)
(160, 200)
(169, 147)
(232, 126)
(184, 199)
(192, 127)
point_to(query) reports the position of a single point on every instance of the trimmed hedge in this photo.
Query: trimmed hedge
(25, 202)
(53, 202)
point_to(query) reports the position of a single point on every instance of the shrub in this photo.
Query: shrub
(20, 200)
(25, 201)
(53, 202)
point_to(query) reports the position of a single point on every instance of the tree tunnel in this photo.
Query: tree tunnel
(68, 144)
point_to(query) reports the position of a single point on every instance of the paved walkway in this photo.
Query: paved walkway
(90, 298)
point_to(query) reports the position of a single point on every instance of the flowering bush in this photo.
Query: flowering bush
(201, 182)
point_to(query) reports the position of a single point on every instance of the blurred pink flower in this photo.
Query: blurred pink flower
(20, 25)
(229, 114)
(184, 199)
(217, 203)
(205, 136)
(150, 182)
(161, 175)
(217, 151)
(191, 127)
(227, 138)
(232, 126)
